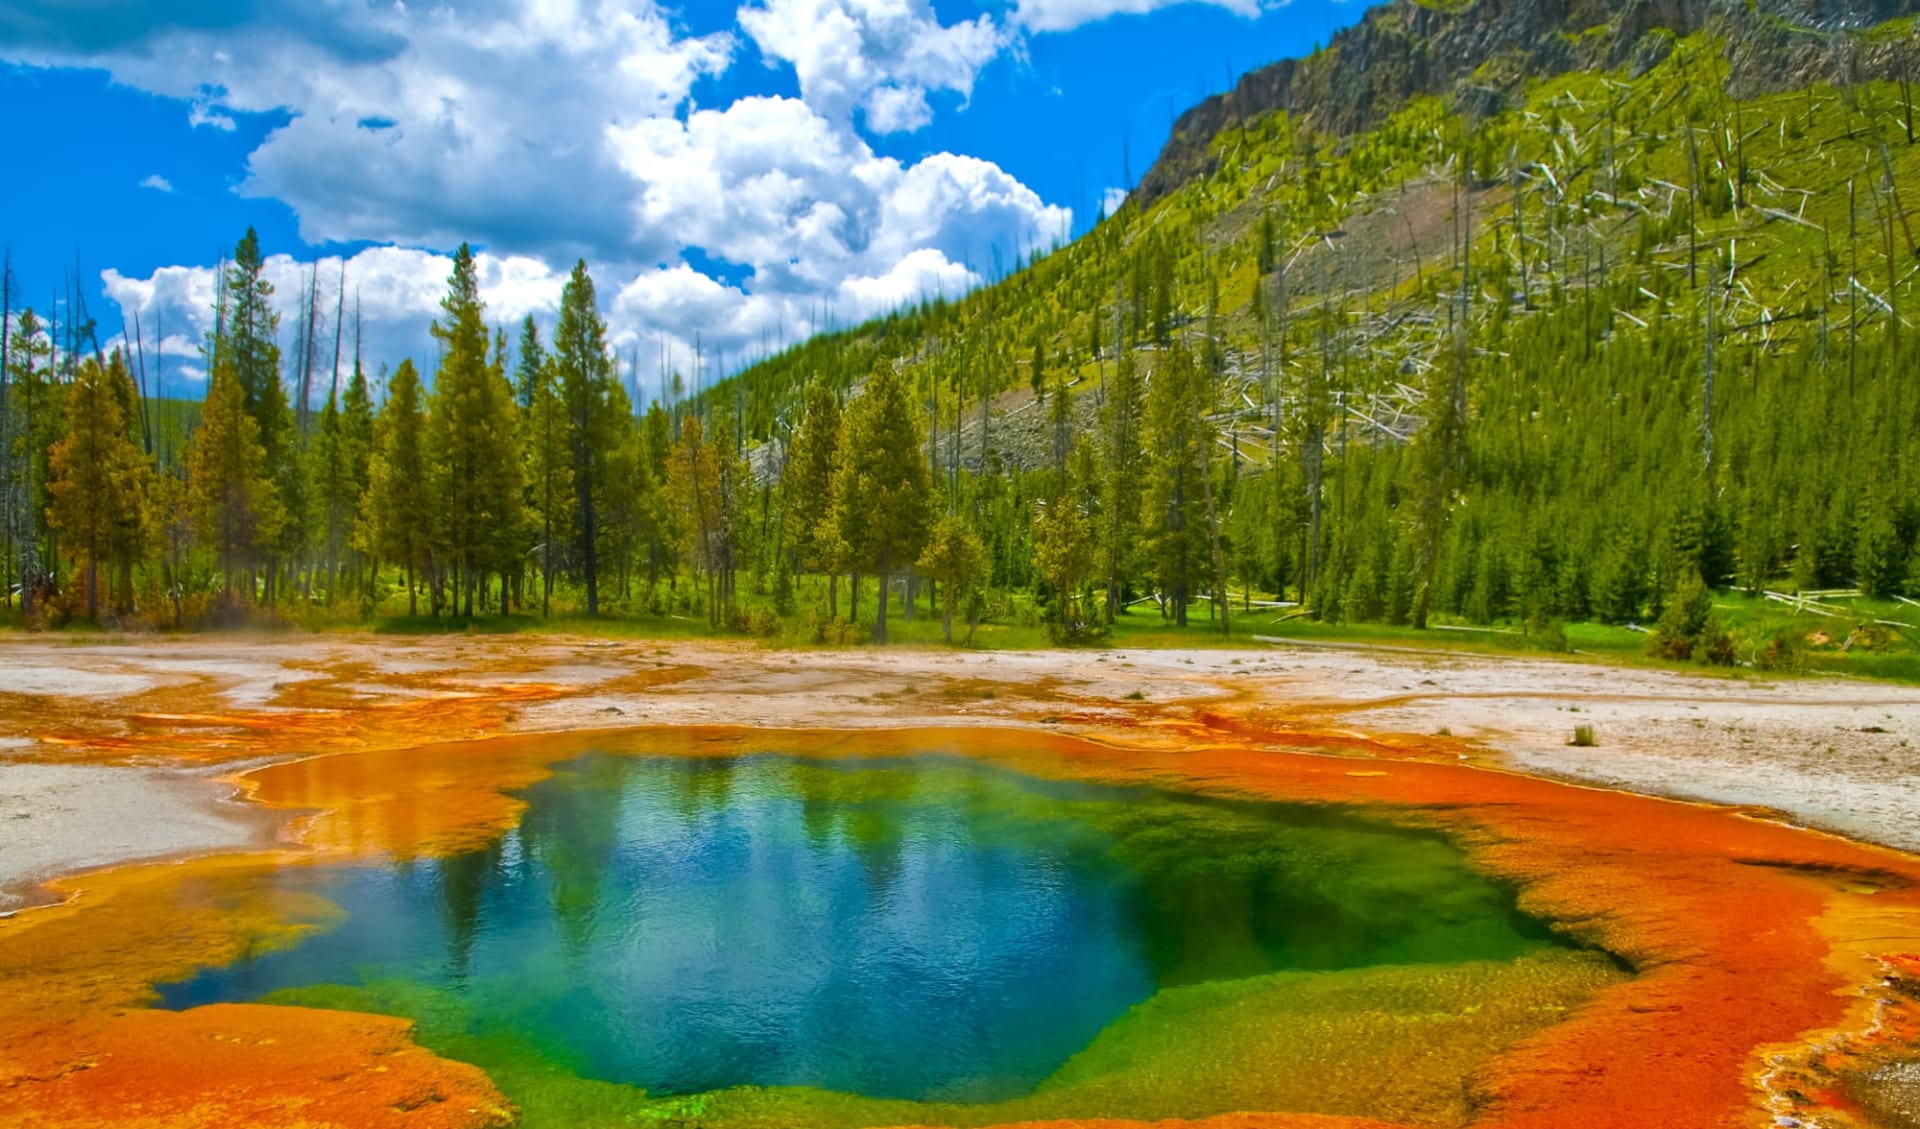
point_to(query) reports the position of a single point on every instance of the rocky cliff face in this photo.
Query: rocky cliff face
(1406, 48)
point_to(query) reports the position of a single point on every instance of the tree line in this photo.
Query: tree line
(512, 471)
(1653, 341)
(1628, 339)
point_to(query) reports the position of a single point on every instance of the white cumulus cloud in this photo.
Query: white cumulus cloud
(1065, 15)
(549, 130)
(395, 290)
(426, 124)
(881, 56)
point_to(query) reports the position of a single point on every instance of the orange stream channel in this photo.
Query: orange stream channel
(1763, 952)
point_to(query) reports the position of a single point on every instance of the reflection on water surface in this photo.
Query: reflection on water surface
(924, 928)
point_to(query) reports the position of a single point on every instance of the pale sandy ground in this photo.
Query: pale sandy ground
(62, 818)
(1839, 755)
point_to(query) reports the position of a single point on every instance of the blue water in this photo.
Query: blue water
(923, 929)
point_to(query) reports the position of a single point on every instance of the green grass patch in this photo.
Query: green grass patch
(1842, 636)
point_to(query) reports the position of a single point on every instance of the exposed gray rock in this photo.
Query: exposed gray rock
(1405, 48)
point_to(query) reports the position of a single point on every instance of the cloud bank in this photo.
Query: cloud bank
(550, 130)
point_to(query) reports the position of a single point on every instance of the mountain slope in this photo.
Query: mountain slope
(1662, 314)
(1406, 49)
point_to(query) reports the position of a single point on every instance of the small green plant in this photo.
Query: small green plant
(1688, 627)
(1548, 635)
(1783, 652)
(1583, 737)
(1136, 696)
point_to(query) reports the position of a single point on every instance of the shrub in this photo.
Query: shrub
(1716, 649)
(1548, 635)
(1782, 652)
(820, 629)
(1688, 629)
(814, 626)
(1583, 737)
(1070, 634)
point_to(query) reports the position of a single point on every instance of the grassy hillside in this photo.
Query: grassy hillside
(1664, 324)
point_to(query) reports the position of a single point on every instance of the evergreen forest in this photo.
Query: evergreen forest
(1626, 344)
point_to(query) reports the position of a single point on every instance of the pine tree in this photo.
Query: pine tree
(587, 386)
(1688, 627)
(1121, 474)
(806, 486)
(249, 345)
(97, 476)
(1879, 566)
(138, 527)
(530, 365)
(174, 526)
(356, 444)
(656, 433)
(32, 427)
(1442, 451)
(510, 535)
(549, 471)
(400, 519)
(1063, 553)
(694, 491)
(655, 443)
(472, 443)
(736, 505)
(881, 485)
(334, 488)
(955, 560)
(1180, 440)
(235, 508)
(628, 503)
(1060, 422)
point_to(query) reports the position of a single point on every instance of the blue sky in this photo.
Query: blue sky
(732, 172)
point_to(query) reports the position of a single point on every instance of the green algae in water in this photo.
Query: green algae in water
(784, 942)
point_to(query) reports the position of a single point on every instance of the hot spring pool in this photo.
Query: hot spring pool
(875, 940)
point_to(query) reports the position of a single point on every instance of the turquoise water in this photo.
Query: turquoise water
(916, 928)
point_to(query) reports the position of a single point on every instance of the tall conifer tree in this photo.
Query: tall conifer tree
(400, 518)
(472, 441)
(250, 345)
(1180, 440)
(235, 507)
(587, 387)
(549, 472)
(881, 487)
(98, 478)
(1121, 474)
(806, 485)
